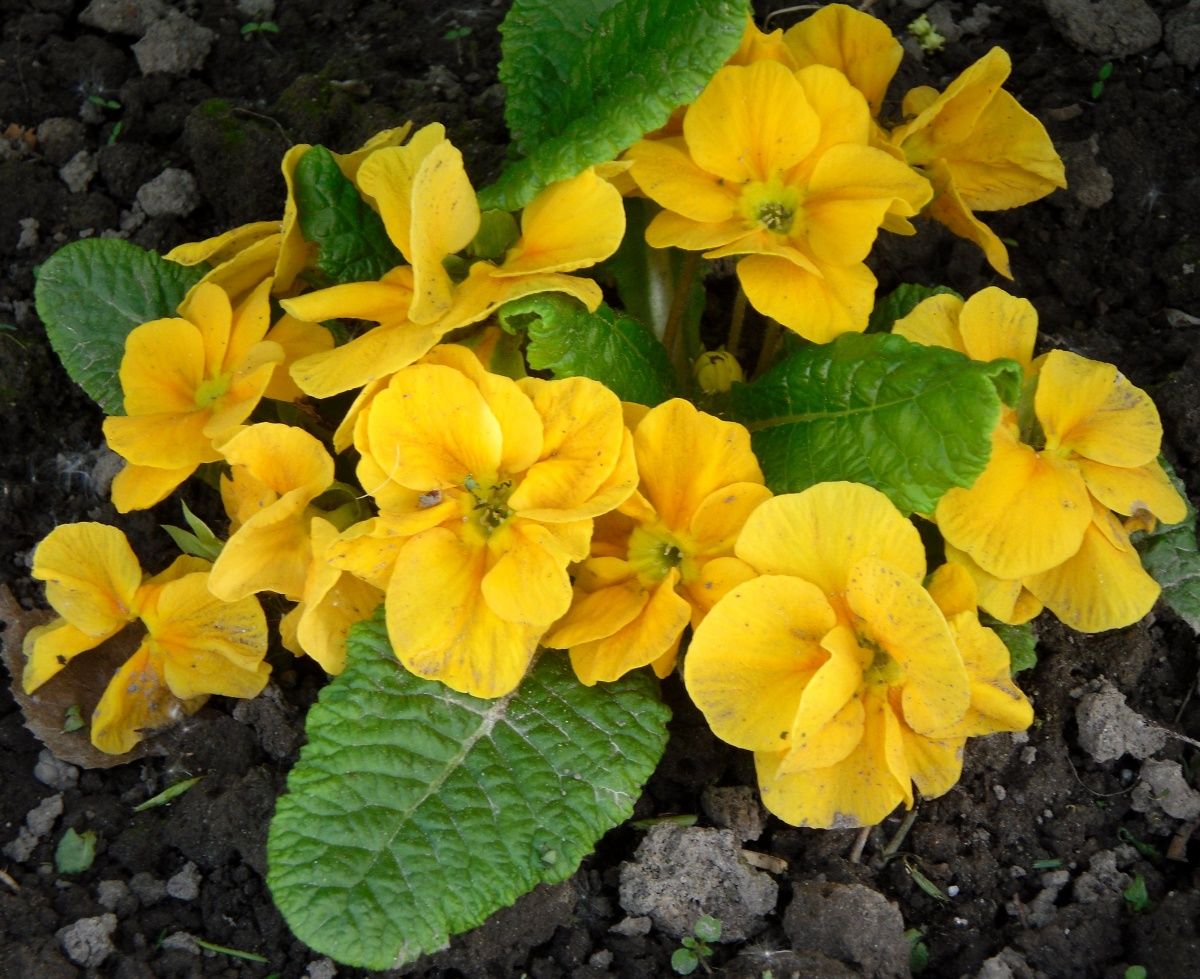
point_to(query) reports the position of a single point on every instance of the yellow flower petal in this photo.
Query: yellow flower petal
(600, 613)
(162, 367)
(221, 248)
(388, 177)
(136, 703)
(298, 340)
(901, 618)
(950, 209)
(570, 225)
(856, 44)
(716, 579)
(485, 290)
(1004, 599)
(1134, 491)
(91, 575)
(1103, 585)
(750, 123)
(527, 583)
(822, 533)
(249, 322)
(858, 791)
(1089, 408)
(431, 429)
(721, 515)
(140, 487)
(666, 173)
(843, 111)
(385, 301)
(49, 648)
(583, 430)
(465, 645)
(1026, 512)
(686, 455)
(671, 230)
(752, 656)
(934, 322)
(935, 765)
(375, 354)
(646, 639)
(994, 324)
(208, 646)
(818, 307)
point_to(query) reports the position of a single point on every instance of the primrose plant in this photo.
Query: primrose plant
(472, 439)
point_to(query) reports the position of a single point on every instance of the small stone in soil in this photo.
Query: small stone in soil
(1109, 728)
(88, 941)
(850, 923)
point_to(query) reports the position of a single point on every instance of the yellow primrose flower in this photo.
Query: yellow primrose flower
(838, 669)
(986, 326)
(245, 256)
(774, 165)
(487, 488)
(189, 382)
(195, 645)
(666, 556)
(980, 149)
(276, 472)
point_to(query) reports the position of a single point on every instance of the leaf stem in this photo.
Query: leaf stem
(679, 301)
(736, 321)
(769, 346)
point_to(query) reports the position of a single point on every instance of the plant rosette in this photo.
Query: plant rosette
(480, 466)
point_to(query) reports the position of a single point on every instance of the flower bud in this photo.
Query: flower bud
(716, 370)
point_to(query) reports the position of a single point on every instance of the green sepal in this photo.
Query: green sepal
(92, 293)
(415, 812)
(1171, 557)
(910, 420)
(901, 301)
(352, 243)
(585, 79)
(607, 346)
(200, 541)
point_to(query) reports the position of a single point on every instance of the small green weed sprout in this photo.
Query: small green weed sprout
(256, 27)
(926, 34)
(695, 950)
(1103, 75)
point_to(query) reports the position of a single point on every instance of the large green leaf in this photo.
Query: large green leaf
(607, 346)
(352, 243)
(1171, 557)
(585, 79)
(912, 421)
(91, 293)
(416, 812)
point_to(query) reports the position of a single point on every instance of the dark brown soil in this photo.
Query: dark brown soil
(1107, 264)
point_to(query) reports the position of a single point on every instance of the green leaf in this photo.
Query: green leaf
(172, 791)
(684, 961)
(607, 346)
(901, 301)
(75, 852)
(1171, 557)
(1137, 898)
(585, 79)
(200, 541)
(1021, 641)
(707, 928)
(352, 243)
(92, 293)
(910, 420)
(416, 812)
(73, 719)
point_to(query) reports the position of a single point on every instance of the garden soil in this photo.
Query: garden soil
(1029, 867)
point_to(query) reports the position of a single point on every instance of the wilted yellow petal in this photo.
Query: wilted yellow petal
(465, 645)
(48, 648)
(750, 123)
(1103, 585)
(1133, 491)
(570, 225)
(821, 533)
(666, 173)
(855, 43)
(818, 307)
(1026, 512)
(135, 703)
(752, 656)
(91, 575)
(1088, 407)
(950, 209)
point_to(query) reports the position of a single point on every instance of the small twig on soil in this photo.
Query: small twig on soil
(239, 111)
(1187, 697)
(1098, 795)
(9, 881)
(860, 844)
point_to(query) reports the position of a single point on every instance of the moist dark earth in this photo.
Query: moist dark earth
(1028, 856)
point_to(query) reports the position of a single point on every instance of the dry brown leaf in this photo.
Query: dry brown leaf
(80, 683)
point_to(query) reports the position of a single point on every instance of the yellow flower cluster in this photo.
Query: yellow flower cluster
(1070, 476)
(780, 162)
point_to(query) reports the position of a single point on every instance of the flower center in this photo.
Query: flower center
(211, 389)
(653, 553)
(772, 205)
(884, 670)
(489, 507)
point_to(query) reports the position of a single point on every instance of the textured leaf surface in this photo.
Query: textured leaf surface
(607, 346)
(912, 421)
(415, 812)
(352, 244)
(1021, 641)
(900, 302)
(1171, 557)
(586, 79)
(91, 293)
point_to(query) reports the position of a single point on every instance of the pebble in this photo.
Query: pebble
(60, 138)
(172, 193)
(55, 773)
(185, 884)
(175, 44)
(88, 941)
(78, 171)
(130, 17)
(38, 822)
(147, 888)
(1112, 28)
(1181, 36)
